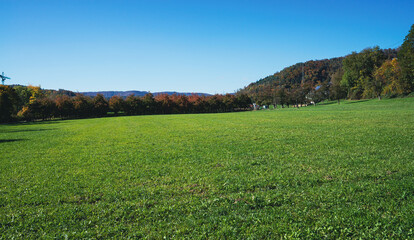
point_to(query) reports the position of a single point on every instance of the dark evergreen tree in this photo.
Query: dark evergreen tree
(8, 103)
(406, 59)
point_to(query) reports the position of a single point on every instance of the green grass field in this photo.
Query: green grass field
(330, 171)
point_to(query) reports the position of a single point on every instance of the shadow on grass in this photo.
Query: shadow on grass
(326, 103)
(356, 101)
(11, 140)
(27, 130)
(45, 122)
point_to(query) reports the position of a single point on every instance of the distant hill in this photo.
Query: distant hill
(109, 94)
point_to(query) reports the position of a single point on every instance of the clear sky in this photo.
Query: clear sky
(212, 46)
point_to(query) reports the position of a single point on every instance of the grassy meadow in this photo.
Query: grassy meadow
(330, 171)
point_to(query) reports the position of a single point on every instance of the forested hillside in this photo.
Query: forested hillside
(302, 76)
(311, 81)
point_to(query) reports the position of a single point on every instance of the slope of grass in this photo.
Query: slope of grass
(330, 171)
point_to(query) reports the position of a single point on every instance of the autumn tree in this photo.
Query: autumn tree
(183, 104)
(83, 106)
(116, 104)
(36, 93)
(100, 105)
(198, 103)
(39, 105)
(388, 79)
(64, 106)
(39, 108)
(214, 103)
(46, 108)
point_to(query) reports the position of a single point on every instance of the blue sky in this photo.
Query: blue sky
(192, 46)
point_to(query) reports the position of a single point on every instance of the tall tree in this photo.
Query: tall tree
(83, 106)
(100, 105)
(150, 104)
(358, 71)
(338, 91)
(37, 93)
(389, 77)
(133, 105)
(116, 104)
(281, 96)
(64, 105)
(24, 93)
(322, 91)
(47, 108)
(406, 59)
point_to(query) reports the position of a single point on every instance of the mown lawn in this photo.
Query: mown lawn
(330, 171)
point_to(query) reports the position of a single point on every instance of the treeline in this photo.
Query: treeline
(371, 73)
(33, 103)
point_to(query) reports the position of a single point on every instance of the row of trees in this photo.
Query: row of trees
(371, 73)
(16, 103)
(300, 94)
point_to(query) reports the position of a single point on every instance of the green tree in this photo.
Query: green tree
(133, 105)
(83, 106)
(338, 91)
(406, 60)
(322, 91)
(358, 72)
(150, 105)
(243, 101)
(24, 94)
(281, 96)
(229, 102)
